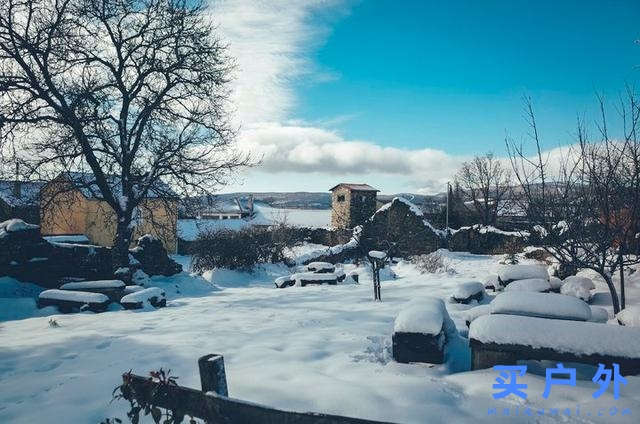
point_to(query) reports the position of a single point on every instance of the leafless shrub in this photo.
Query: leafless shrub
(432, 263)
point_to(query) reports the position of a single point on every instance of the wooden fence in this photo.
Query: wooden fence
(212, 403)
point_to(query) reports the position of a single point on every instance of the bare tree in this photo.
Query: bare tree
(133, 91)
(486, 183)
(585, 205)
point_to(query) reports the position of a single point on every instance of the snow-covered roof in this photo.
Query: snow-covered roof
(86, 183)
(354, 187)
(28, 192)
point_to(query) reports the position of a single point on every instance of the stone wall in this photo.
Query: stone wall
(26, 256)
(340, 208)
(486, 240)
(400, 228)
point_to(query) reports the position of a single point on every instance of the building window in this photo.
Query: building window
(341, 198)
(363, 197)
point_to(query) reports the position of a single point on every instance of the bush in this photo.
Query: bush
(243, 249)
(432, 263)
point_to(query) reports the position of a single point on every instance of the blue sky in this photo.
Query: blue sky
(422, 86)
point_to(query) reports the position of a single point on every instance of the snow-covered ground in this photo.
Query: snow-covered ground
(315, 348)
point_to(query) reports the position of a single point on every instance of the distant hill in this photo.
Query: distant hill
(321, 200)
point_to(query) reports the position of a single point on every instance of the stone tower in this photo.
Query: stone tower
(352, 204)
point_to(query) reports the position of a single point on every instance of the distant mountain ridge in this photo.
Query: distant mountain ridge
(319, 200)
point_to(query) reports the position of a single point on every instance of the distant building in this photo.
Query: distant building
(72, 204)
(352, 204)
(20, 199)
(235, 209)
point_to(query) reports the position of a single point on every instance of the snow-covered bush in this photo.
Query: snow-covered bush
(579, 287)
(433, 263)
(629, 316)
(242, 249)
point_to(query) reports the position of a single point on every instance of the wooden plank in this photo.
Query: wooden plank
(220, 409)
(212, 374)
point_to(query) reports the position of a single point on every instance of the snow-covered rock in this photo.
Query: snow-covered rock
(70, 301)
(580, 338)
(599, 314)
(303, 278)
(529, 285)
(471, 314)
(376, 254)
(579, 287)
(321, 267)
(93, 285)
(282, 282)
(421, 330)
(140, 278)
(153, 296)
(73, 296)
(542, 305)
(467, 291)
(426, 315)
(132, 289)
(492, 282)
(15, 225)
(509, 273)
(555, 283)
(630, 316)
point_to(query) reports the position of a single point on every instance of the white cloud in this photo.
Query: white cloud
(299, 149)
(270, 40)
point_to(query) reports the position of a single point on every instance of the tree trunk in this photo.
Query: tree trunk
(622, 295)
(122, 242)
(612, 290)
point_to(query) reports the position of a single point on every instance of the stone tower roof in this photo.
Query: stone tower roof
(355, 187)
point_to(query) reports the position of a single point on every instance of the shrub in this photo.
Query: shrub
(433, 263)
(243, 249)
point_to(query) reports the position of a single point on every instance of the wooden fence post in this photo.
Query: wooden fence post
(212, 375)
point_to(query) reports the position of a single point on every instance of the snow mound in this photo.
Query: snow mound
(579, 280)
(492, 281)
(132, 289)
(471, 314)
(14, 225)
(543, 305)
(522, 272)
(630, 316)
(144, 295)
(320, 267)
(468, 289)
(93, 285)
(313, 276)
(577, 337)
(73, 296)
(555, 283)
(579, 287)
(377, 254)
(529, 285)
(427, 315)
(599, 314)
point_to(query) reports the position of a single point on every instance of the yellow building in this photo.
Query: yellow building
(72, 204)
